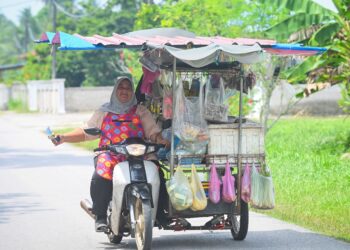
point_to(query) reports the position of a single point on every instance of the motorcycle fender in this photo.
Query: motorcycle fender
(121, 179)
(141, 190)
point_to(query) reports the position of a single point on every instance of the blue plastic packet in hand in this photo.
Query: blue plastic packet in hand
(48, 132)
(51, 135)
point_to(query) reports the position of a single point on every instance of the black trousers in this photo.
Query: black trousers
(101, 191)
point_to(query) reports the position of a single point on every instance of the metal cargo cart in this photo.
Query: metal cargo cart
(237, 141)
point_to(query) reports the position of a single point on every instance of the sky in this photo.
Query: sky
(13, 8)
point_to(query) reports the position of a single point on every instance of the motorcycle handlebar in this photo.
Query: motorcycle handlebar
(108, 147)
(102, 148)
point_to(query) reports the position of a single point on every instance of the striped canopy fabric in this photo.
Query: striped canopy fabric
(173, 37)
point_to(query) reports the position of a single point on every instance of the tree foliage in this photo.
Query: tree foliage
(333, 32)
(204, 17)
(210, 18)
(8, 52)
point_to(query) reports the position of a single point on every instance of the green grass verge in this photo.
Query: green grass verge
(18, 106)
(312, 183)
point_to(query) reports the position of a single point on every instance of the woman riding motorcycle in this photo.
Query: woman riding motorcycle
(118, 119)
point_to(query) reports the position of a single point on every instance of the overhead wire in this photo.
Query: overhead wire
(67, 13)
(64, 11)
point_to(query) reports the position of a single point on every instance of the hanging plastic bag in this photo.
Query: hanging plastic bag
(246, 185)
(167, 108)
(179, 190)
(262, 191)
(214, 185)
(189, 123)
(199, 198)
(228, 185)
(214, 107)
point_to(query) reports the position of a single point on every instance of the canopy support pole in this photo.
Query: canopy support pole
(239, 155)
(172, 123)
(172, 150)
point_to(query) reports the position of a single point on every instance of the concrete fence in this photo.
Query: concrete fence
(4, 96)
(50, 96)
(86, 99)
(46, 96)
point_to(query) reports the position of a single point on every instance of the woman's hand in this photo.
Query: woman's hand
(160, 140)
(57, 140)
(164, 142)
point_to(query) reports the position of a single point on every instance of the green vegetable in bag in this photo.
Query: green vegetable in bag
(179, 190)
(262, 191)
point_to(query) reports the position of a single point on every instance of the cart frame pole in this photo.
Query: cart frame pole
(172, 123)
(239, 155)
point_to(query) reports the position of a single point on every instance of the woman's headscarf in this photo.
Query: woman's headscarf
(115, 106)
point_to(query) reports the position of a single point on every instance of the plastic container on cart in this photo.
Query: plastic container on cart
(223, 138)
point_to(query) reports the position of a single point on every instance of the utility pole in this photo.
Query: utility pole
(53, 63)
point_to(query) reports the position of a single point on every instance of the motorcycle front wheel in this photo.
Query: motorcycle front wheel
(115, 239)
(143, 227)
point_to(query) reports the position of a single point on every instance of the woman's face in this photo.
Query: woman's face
(124, 91)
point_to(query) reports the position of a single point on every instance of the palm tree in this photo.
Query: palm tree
(27, 30)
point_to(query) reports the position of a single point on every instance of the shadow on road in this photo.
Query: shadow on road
(276, 239)
(14, 204)
(35, 159)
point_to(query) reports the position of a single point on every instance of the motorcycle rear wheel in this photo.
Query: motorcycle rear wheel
(240, 222)
(143, 227)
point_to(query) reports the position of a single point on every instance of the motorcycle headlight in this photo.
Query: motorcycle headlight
(136, 149)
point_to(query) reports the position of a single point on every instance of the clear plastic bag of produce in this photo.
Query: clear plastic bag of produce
(179, 190)
(262, 191)
(189, 123)
(214, 107)
(199, 198)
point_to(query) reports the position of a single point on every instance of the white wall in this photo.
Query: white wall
(46, 96)
(86, 99)
(4, 96)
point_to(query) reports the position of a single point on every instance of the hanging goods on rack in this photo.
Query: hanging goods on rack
(246, 185)
(167, 107)
(214, 107)
(179, 190)
(199, 198)
(188, 118)
(262, 195)
(214, 185)
(228, 185)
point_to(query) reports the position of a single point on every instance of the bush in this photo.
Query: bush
(17, 106)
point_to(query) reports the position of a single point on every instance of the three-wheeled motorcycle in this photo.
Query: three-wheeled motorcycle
(236, 140)
(140, 201)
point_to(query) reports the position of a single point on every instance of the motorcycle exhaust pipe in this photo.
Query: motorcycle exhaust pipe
(87, 207)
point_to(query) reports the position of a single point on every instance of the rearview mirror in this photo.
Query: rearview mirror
(93, 131)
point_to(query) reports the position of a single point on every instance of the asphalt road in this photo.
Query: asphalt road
(41, 186)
